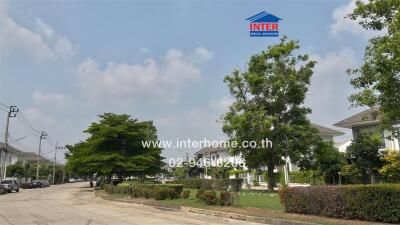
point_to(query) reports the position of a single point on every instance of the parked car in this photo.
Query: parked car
(10, 185)
(38, 184)
(46, 183)
(2, 190)
(72, 180)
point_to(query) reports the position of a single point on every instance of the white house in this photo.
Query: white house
(368, 121)
(220, 155)
(12, 156)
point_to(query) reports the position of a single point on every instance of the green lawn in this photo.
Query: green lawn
(263, 200)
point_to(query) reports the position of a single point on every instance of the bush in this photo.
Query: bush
(306, 177)
(185, 194)
(136, 190)
(199, 194)
(211, 184)
(364, 202)
(164, 193)
(225, 198)
(210, 197)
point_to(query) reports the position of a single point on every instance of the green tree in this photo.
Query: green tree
(379, 77)
(391, 165)
(17, 169)
(324, 158)
(330, 161)
(364, 154)
(269, 99)
(115, 147)
(181, 172)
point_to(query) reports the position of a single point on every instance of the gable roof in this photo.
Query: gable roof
(326, 130)
(264, 17)
(366, 117)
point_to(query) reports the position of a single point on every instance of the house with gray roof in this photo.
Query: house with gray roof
(368, 121)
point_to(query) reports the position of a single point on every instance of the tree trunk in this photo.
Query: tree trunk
(271, 179)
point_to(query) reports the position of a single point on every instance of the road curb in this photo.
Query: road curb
(227, 215)
(242, 217)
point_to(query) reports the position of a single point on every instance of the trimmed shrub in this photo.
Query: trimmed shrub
(210, 197)
(185, 194)
(379, 202)
(225, 198)
(164, 193)
(199, 194)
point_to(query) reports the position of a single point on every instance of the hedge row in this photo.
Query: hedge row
(211, 184)
(225, 198)
(379, 202)
(157, 191)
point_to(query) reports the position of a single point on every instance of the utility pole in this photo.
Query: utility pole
(42, 136)
(10, 114)
(55, 160)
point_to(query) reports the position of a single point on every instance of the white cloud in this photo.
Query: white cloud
(202, 54)
(44, 28)
(330, 86)
(40, 97)
(150, 80)
(342, 24)
(221, 105)
(39, 42)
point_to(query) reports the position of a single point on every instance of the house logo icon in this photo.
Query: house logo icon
(264, 24)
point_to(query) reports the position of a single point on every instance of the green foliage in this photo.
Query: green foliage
(279, 177)
(162, 193)
(363, 202)
(115, 146)
(210, 197)
(225, 198)
(378, 78)
(364, 153)
(211, 184)
(180, 172)
(270, 94)
(17, 169)
(306, 177)
(158, 191)
(199, 194)
(185, 194)
(391, 166)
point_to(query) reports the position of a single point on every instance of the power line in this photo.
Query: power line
(27, 122)
(27, 128)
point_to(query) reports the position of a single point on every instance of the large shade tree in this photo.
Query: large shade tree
(115, 147)
(269, 99)
(378, 79)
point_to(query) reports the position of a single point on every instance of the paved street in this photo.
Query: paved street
(73, 204)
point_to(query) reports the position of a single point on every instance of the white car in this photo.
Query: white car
(10, 185)
(72, 180)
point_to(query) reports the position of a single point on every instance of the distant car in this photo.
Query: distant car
(46, 183)
(38, 184)
(72, 180)
(10, 185)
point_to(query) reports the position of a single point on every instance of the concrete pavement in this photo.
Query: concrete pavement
(73, 204)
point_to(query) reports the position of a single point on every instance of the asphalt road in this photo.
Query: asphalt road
(75, 204)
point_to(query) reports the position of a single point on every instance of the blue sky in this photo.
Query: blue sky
(64, 62)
